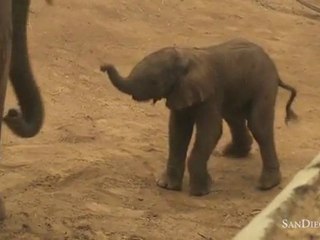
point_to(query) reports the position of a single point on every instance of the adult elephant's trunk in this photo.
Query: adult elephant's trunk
(119, 82)
(29, 122)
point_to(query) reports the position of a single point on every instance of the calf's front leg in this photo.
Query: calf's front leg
(208, 132)
(180, 132)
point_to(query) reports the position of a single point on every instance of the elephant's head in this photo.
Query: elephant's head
(182, 76)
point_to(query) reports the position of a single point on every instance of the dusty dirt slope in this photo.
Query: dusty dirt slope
(91, 172)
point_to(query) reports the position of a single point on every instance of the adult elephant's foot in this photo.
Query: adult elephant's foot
(269, 179)
(2, 210)
(170, 181)
(201, 186)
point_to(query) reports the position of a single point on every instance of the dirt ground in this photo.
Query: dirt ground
(91, 172)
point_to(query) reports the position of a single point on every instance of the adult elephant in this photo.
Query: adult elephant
(14, 64)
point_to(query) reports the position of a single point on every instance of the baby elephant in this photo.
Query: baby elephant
(236, 81)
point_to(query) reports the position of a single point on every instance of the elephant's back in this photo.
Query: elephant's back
(243, 65)
(242, 55)
(238, 46)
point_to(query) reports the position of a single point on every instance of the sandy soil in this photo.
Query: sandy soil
(91, 172)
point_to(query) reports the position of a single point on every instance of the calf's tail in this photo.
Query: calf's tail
(290, 114)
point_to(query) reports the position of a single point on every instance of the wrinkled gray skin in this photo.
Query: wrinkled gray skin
(14, 64)
(235, 81)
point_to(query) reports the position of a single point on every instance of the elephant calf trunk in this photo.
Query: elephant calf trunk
(118, 81)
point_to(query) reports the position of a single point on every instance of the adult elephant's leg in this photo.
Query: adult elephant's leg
(180, 132)
(5, 54)
(241, 142)
(209, 130)
(261, 124)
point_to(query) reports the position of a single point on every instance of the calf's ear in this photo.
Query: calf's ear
(195, 80)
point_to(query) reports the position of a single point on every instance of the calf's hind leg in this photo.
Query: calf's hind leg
(241, 142)
(260, 122)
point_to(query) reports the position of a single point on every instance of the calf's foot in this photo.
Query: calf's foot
(235, 151)
(170, 181)
(238, 150)
(269, 179)
(201, 186)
